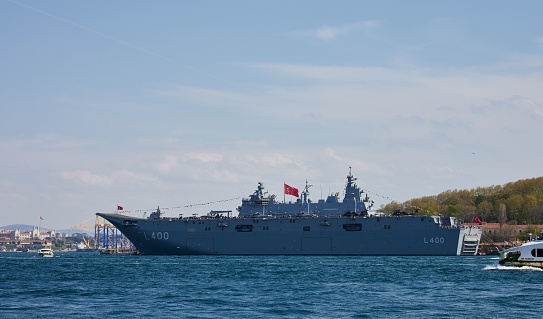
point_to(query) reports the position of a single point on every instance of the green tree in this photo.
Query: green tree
(523, 202)
(484, 211)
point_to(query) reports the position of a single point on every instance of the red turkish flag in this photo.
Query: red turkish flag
(289, 190)
(119, 207)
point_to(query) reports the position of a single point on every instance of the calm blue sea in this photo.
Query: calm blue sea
(88, 285)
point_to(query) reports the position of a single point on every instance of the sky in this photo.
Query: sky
(187, 105)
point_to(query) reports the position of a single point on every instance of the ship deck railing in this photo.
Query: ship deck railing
(298, 216)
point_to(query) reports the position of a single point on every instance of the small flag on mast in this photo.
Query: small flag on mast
(119, 207)
(41, 218)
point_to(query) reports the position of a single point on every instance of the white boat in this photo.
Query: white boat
(528, 254)
(46, 252)
(83, 247)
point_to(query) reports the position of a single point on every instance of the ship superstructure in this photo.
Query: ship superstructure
(355, 201)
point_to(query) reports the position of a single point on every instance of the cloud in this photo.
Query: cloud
(223, 99)
(354, 162)
(385, 108)
(193, 166)
(511, 106)
(168, 164)
(206, 157)
(234, 164)
(129, 176)
(225, 176)
(273, 159)
(171, 163)
(329, 152)
(86, 177)
(328, 73)
(329, 33)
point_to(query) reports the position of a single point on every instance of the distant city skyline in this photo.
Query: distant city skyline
(188, 105)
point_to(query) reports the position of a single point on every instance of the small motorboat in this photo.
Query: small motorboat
(528, 254)
(46, 252)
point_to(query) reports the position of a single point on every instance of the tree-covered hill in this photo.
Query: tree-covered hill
(518, 202)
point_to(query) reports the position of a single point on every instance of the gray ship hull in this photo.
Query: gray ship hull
(315, 235)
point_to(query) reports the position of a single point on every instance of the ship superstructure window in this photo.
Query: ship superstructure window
(307, 228)
(207, 229)
(387, 226)
(265, 227)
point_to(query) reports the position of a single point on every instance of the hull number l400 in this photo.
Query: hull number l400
(434, 240)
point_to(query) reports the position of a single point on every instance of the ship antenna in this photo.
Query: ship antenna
(306, 191)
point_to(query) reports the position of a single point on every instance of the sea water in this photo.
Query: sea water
(89, 285)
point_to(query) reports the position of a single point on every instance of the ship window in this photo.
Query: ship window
(244, 228)
(537, 252)
(352, 227)
(307, 228)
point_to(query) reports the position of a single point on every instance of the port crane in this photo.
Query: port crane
(107, 238)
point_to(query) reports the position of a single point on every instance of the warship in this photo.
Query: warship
(266, 226)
